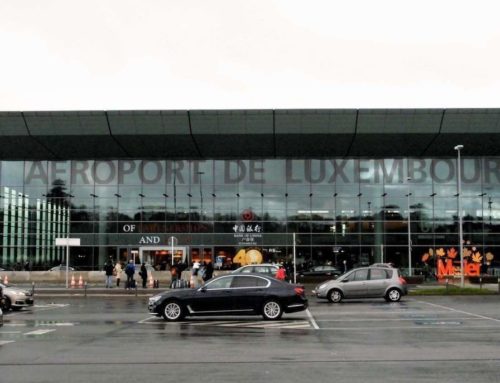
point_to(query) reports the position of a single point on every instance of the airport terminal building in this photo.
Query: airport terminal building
(352, 186)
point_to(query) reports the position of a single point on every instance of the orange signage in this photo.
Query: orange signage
(450, 269)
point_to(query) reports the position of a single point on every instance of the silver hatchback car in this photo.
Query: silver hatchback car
(365, 282)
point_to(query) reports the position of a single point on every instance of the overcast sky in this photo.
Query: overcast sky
(202, 54)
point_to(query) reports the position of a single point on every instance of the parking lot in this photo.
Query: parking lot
(455, 338)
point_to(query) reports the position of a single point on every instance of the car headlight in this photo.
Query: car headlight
(321, 287)
(154, 299)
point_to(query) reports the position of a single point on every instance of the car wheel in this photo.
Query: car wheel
(173, 311)
(335, 296)
(393, 295)
(272, 310)
(8, 304)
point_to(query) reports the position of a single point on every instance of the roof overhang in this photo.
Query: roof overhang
(247, 134)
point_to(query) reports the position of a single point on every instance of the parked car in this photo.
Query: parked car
(262, 268)
(16, 298)
(365, 282)
(1, 317)
(390, 265)
(231, 294)
(318, 274)
(61, 268)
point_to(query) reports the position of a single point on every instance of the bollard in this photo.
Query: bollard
(446, 285)
(32, 289)
(85, 289)
(136, 289)
(480, 283)
(499, 285)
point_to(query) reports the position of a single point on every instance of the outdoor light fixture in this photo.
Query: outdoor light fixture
(459, 202)
(409, 227)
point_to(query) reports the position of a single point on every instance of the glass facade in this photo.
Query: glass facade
(355, 210)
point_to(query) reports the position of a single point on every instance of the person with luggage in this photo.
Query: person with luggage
(118, 273)
(108, 269)
(144, 275)
(129, 272)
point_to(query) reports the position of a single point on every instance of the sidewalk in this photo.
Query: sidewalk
(45, 290)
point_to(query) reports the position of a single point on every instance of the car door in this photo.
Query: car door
(216, 296)
(248, 292)
(377, 283)
(354, 285)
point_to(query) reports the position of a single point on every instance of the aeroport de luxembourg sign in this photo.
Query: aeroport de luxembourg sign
(184, 172)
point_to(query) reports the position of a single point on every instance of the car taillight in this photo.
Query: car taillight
(402, 280)
(299, 290)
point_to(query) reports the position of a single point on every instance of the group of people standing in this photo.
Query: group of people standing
(200, 271)
(129, 270)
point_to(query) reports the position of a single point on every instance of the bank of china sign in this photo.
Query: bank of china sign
(247, 234)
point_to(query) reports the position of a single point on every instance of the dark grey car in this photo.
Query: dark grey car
(365, 282)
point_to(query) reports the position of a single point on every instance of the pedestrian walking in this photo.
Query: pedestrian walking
(118, 273)
(194, 274)
(174, 273)
(129, 272)
(108, 269)
(144, 275)
(209, 271)
(281, 273)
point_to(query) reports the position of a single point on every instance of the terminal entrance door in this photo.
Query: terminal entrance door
(127, 253)
(161, 257)
(202, 254)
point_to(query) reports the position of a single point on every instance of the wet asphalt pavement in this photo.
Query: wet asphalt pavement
(115, 339)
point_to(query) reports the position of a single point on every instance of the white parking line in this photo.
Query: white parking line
(394, 319)
(15, 324)
(39, 332)
(459, 311)
(311, 319)
(2, 342)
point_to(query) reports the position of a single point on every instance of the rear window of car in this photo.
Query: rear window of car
(376, 274)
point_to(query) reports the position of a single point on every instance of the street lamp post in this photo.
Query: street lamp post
(409, 227)
(459, 203)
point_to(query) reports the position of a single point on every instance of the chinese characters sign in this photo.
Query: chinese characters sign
(247, 234)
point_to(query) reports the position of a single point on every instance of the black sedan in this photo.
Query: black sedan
(233, 294)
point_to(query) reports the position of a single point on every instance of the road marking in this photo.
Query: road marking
(393, 319)
(39, 332)
(311, 319)
(2, 342)
(52, 305)
(415, 328)
(241, 324)
(10, 332)
(439, 323)
(15, 324)
(56, 324)
(459, 311)
(148, 319)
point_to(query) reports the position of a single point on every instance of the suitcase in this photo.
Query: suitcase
(179, 284)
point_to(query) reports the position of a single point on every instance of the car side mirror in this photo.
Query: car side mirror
(203, 289)
(344, 280)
